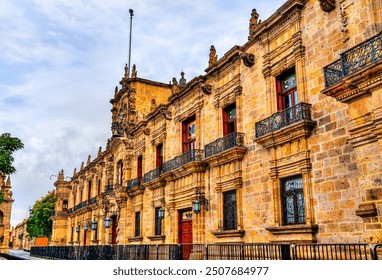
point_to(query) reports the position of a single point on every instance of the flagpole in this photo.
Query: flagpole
(131, 25)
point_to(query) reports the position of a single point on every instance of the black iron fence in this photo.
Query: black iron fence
(353, 60)
(281, 119)
(227, 142)
(378, 252)
(333, 252)
(250, 251)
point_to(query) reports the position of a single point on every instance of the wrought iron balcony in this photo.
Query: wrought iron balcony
(353, 60)
(70, 210)
(133, 183)
(93, 200)
(183, 159)
(81, 205)
(281, 119)
(108, 189)
(227, 142)
(152, 175)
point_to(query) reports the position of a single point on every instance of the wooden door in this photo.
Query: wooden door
(185, 233)
(114, 227)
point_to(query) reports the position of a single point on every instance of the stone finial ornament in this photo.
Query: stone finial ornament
(182, 81)
(213, 56)
(175, 86)
(126, 71)
(327, 5)
(254, 21)
(134, 72)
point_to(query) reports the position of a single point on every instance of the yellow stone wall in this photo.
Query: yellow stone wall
(337, 152)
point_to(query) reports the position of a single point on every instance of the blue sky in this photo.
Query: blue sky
(61, 60)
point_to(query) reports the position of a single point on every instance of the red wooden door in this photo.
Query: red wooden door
(185, 234)
(114, 230)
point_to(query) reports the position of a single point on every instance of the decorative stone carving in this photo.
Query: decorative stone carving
(344, 25)
(213, 56)
(146, 131)
(167, 114)
(253, 22)
(175, 86)
(248, 59)
(327, 5)
(206, 88)
(153, 105)
(134, 72)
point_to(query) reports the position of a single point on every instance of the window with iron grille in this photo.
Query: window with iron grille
(158, 222)
(292, 198)
(229, 210)
(137, 232)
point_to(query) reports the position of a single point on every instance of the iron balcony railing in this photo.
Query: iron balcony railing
(93, 200)
(281, 119)
(244, 251)
(70, 210)
(108, 189)
(183, 159)
(81, 205)
(227, 142)
(152, 175)
(354, 60)
(133, 183)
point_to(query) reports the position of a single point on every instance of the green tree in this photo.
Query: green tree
(39, 222)
(8, 145)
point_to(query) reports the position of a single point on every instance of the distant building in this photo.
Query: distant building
(5, 212)
(279, 141)
(20, 236)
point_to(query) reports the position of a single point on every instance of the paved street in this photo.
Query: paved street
(21, 254)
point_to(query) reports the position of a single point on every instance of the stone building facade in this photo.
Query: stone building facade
(5, 212)
(20, 236)
(278, 141)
